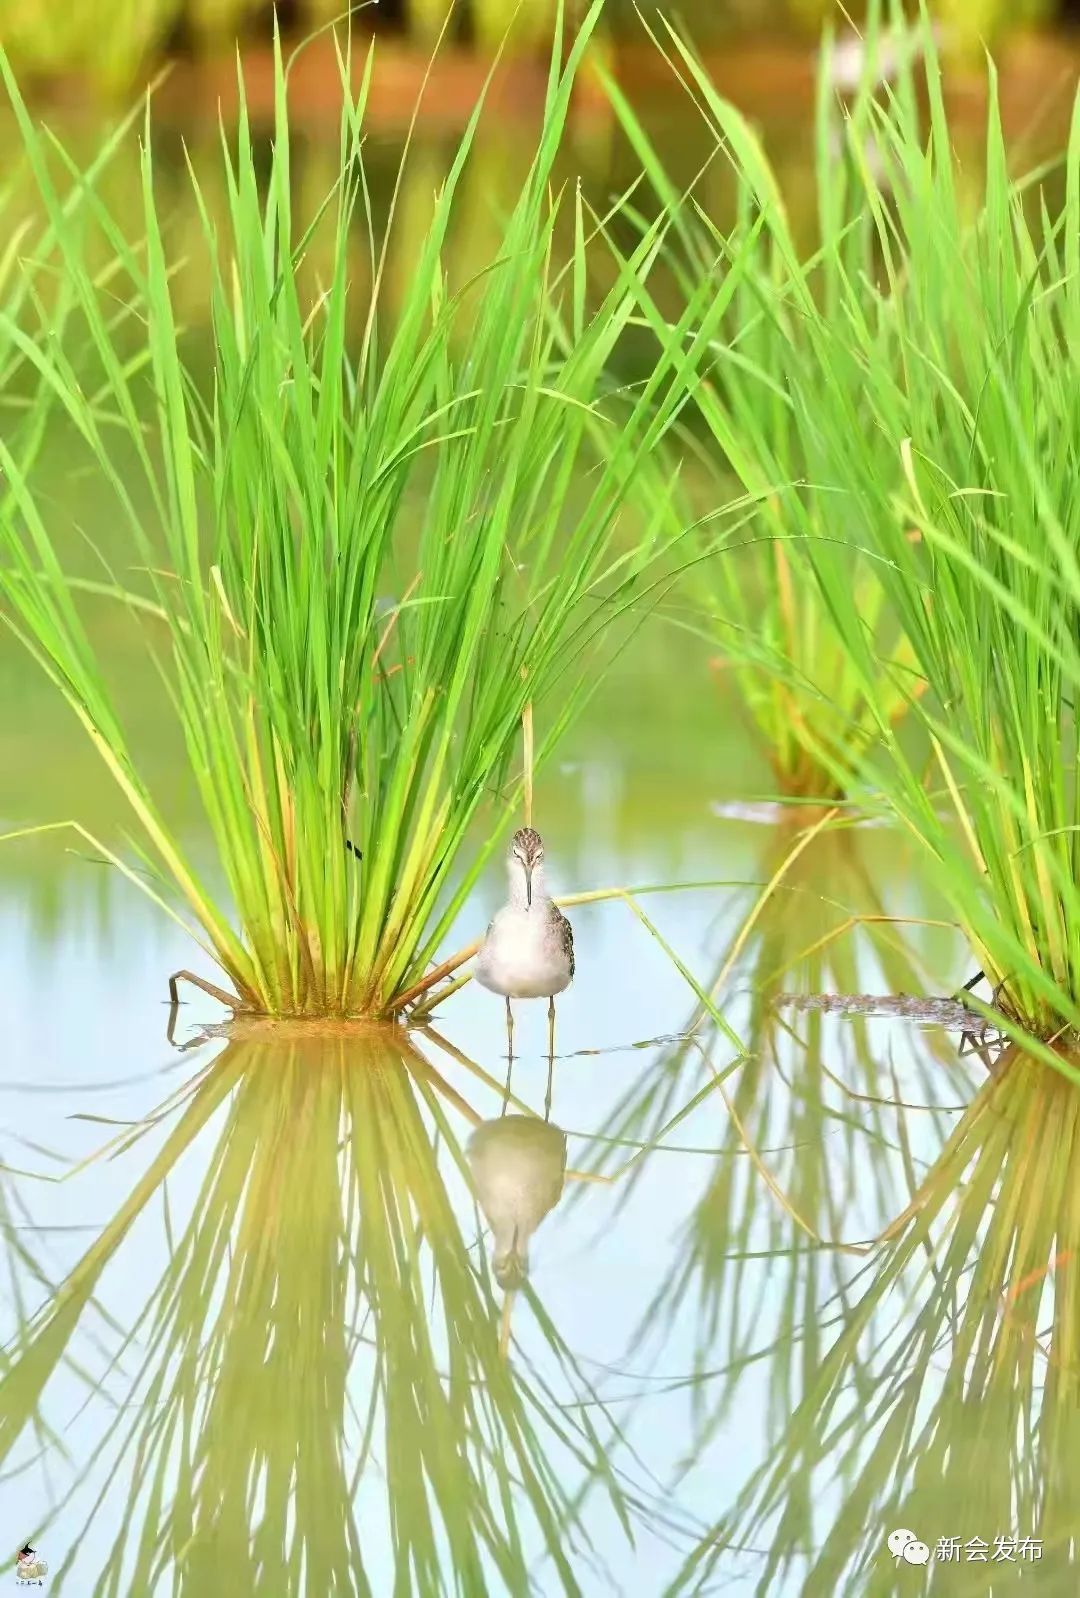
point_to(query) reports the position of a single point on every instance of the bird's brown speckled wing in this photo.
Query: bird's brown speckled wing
(566, 937)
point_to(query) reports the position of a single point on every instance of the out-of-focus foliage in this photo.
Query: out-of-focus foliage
(50, 40)
(43, 40)
(968, 17)
(485, 22)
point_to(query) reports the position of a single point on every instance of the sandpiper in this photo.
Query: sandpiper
(528, 950)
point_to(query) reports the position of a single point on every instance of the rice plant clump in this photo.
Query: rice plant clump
(932, 394)
(358, 558)
(760, 607)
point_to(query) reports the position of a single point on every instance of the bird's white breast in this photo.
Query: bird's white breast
(523, 956)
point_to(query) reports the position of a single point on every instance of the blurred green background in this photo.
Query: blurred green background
(69, 44)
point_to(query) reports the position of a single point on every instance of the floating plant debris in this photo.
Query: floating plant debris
(948, 1013)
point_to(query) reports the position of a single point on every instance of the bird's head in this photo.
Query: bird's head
(511, 1268)
(524, 856)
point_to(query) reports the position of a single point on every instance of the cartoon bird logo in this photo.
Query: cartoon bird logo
(28, 1567)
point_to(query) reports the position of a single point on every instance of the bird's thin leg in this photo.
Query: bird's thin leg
(551, 1028)
(504, 1324)
(547, 1095)
(509, 1030)
(506, 1089)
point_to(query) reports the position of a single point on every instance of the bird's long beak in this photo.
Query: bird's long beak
(528, 884)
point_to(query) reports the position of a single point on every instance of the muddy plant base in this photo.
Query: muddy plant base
(320, 1026)
(246, 1022)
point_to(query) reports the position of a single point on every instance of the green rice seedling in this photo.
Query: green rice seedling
(948, 1402)
(311, 1395)
(362, 551)
(931, 394)
(998, 717)
(35, 301)
(805, 703)
(760, 608)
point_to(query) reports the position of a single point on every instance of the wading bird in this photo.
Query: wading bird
(528, 950)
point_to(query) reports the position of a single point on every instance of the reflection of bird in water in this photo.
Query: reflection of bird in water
(518, 1165)
(528, 950)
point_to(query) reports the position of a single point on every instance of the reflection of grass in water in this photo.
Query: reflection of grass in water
(327, 678)
(816, 906)
(26, 1274)
(962, 1419)
(808, 1143)
(320, 1352)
